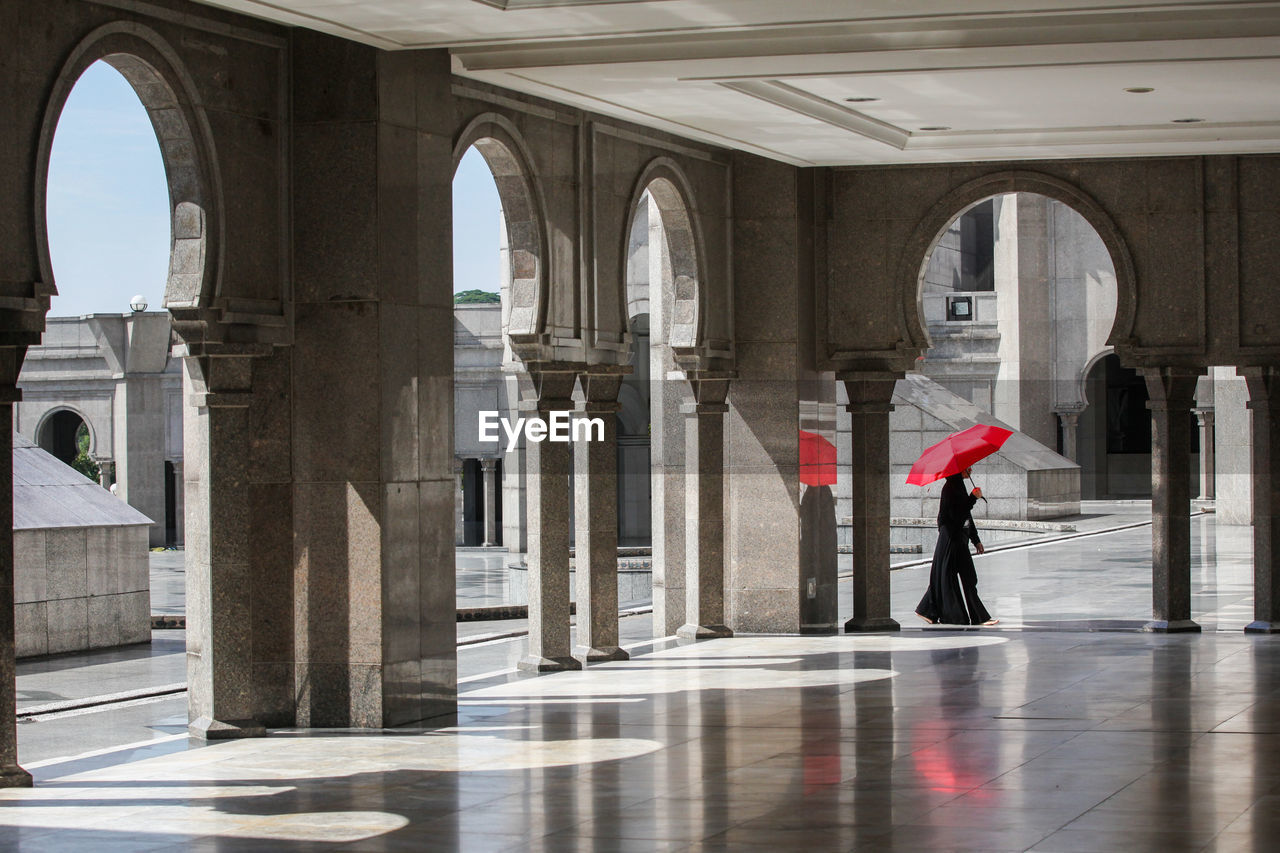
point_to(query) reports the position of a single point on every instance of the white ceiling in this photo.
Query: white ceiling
(1009, 79)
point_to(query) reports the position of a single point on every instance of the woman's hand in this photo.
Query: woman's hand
(977, 492)
(979, 548)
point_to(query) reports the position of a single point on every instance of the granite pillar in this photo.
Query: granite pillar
(869, 409)
(11, 775)
(489, 472)
(371, 156)
(704, 510)
(1172, 394)
(1070, 425)
(1264, 410)
(216, 437)
(459, 503)
(667, 488)
(179, 504)
(596, 523)
(1204, 420)
(547, 488)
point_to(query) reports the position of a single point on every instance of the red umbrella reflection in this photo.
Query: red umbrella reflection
(817, 460)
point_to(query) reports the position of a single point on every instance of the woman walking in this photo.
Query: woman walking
(952, 596)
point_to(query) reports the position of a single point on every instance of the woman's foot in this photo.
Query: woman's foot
(992, 622)
(926, 619)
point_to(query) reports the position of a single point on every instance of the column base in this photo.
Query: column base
(209, 729)
(536, 663)
(1177, 626)
(600, 655)
(14, 776)
(869, 625)
(703, 632)
(1262, 627)
(820, 630)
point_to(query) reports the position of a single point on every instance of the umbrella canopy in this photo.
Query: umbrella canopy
(956, 452)
(817, 460)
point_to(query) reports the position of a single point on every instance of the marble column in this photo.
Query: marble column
(596, 509)
(869, 409)
(547, 485)
(489, 469)
(11, 775)
(1070, 422)
(179, 504)
(1172, 394)
(704, 510)
(459, 503)
(1264, 410)
(216, 436)
(1208, 465)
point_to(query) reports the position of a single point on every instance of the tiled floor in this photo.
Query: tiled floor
(921, 741)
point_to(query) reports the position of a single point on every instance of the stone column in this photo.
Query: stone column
(1070, 421)
(547, 485)
(869, 408)
(459, 503)
(704, 510)
(1172, 394)
(179, 504)
(596, 508)
(106, 472)
(489, 467)
(11, 775)
(1264, 408)
(216, 436)
(1204, 419)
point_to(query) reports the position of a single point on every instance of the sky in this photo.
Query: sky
(108, 206)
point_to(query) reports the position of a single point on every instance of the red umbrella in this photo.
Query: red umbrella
(817, 460)
(956, 452)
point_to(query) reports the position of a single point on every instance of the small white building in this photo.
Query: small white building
(81, 574)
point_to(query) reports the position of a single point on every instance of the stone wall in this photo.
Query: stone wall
(81, 588)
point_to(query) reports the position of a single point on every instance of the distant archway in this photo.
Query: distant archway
(65, 435)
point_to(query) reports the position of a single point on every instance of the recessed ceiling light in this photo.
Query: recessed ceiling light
(1139, 90)
(860, 100)
(936, 127)
(1187, 120)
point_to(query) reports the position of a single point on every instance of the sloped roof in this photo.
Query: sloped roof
(47, 493)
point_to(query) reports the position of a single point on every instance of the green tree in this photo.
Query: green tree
(84, 462)
(474, 297)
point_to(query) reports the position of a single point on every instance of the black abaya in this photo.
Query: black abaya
(952, 596)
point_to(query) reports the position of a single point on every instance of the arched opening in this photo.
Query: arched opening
(121, 206)
(1018, 296)
(662, 297)
(107, 207)
(498, 271)
(65, 435)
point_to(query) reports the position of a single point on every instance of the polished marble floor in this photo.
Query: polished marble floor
(920, 741)
(1063, 730)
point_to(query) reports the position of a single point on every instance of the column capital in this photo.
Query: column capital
(551, 384)
(869, 392)
(600, 386)
(1171, 388)
(1263, 384)
(488, 464)
(709, 386)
